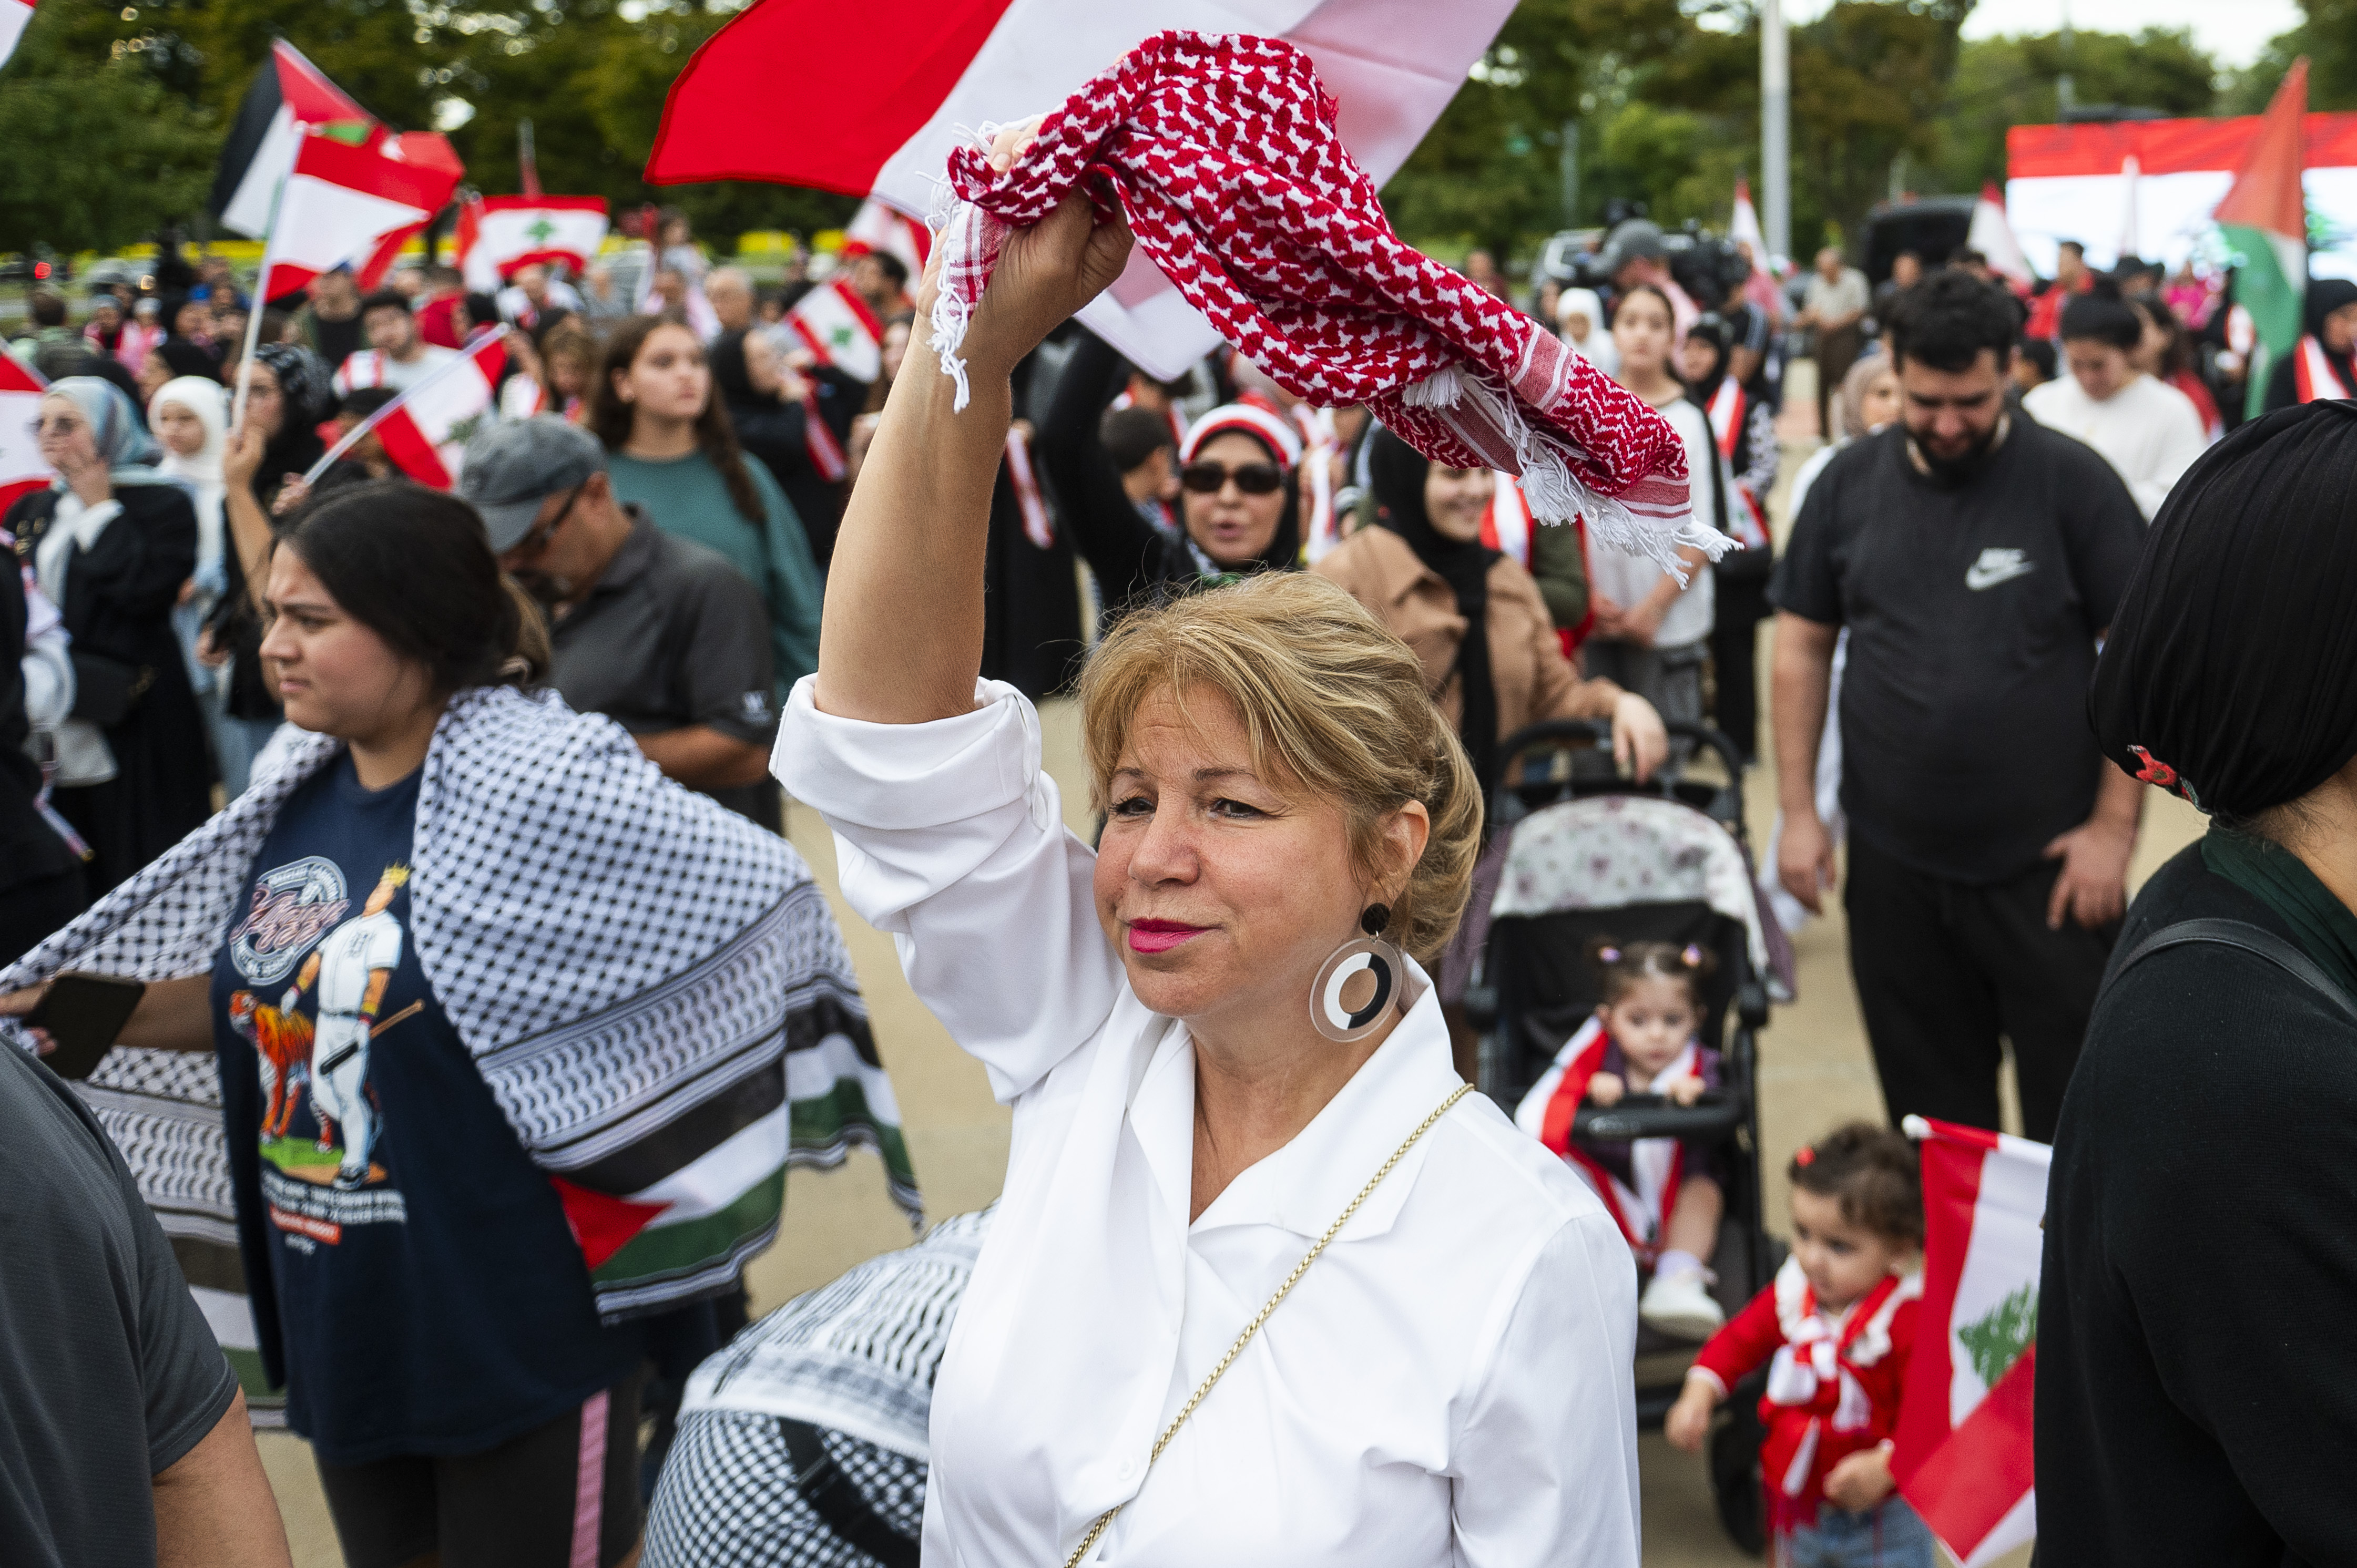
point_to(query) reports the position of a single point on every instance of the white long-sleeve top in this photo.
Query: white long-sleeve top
(1448, 1384)
(2148, 431)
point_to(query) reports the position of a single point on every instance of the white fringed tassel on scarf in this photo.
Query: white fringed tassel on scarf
(1465, 398)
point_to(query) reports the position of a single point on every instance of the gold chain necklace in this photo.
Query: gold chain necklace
(1097, 1530)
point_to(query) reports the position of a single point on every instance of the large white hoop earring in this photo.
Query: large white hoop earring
(1358, 985)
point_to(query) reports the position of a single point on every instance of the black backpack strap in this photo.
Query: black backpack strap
(837, 1500)
(2251, 940)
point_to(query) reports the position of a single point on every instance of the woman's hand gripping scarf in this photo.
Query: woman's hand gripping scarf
(1221, 151)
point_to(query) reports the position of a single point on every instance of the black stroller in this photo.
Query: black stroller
(1577, 852)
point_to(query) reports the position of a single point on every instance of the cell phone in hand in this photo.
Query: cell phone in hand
(82, 1014)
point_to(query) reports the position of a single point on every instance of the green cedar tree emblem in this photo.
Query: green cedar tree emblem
(1996, 1340)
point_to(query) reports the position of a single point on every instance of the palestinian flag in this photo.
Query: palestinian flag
(886, 130)
(2265, 216)
(288, 92)
(14, 16)
(22, 469)
(499, 234)
(348, 202)
(1962, 1451)
(836, 324)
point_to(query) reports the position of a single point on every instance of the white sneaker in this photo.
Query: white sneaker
(1682, 1307)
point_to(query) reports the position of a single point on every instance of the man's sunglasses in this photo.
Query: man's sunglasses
(533, 544)
(1208, 479)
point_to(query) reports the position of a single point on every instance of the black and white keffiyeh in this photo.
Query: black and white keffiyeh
(641, 975)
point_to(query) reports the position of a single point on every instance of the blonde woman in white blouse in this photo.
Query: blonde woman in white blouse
(1448, 1382)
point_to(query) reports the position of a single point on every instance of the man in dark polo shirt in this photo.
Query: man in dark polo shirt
(1975, 560)
(655, 631)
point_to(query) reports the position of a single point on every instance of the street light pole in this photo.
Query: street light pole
(1775, 129)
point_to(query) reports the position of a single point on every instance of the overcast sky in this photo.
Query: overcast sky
(2233, 31)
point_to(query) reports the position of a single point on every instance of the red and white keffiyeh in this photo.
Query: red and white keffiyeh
(1221, 150)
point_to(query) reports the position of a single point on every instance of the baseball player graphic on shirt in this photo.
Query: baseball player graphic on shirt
(351, 970)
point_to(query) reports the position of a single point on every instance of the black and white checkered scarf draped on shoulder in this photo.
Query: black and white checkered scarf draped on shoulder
(641, 975)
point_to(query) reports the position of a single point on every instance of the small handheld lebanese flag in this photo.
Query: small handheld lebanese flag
(499, 234)
(342, 201)
(1963, 1453)
(425, 430)
(876, 227)
(22, 467)
(836, 324)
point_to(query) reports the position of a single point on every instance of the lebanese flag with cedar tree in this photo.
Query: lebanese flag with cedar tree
(346, 202)
(499, 235)
(1964, 1452)
(22, 467)
(886, 129)
(836, 324)
(425, 430)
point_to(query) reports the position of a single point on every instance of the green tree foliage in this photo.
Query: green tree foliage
(101, 150)
(2002, 83)
(590, 74)
(2327, 36)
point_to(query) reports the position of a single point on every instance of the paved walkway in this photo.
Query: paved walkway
(1815, 1072)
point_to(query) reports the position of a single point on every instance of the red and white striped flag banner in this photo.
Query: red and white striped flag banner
(1963, 1453)
(425, 430)
(877, 226)
(1037, 525)
(1506, 525)
(826, 454)
(22, 469)
(14, 16)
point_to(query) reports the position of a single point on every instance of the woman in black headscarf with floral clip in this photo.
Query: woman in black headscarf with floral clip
(2197, 1380)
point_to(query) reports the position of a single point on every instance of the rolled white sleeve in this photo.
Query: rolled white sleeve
(1547, 1455)
(951, 837)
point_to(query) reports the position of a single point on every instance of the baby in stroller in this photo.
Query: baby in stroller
(1666, 1193)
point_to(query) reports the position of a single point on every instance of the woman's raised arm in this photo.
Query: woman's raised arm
(900, 641)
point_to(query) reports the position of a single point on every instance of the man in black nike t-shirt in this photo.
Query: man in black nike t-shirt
(1975, 560)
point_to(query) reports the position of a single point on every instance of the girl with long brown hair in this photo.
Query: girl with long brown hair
(672, 451)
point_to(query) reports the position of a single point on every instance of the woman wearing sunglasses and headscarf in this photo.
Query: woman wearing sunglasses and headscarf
(1236, 492)
(111, 540)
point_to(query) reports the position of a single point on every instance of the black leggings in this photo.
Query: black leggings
(520, 1504)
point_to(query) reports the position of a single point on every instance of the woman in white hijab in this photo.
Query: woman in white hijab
(191, 417)
(1579, 314)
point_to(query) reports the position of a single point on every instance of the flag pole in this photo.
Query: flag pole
(261, 296)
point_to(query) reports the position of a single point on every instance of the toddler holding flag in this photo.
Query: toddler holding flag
(1839, 1323)
(1662, 1192)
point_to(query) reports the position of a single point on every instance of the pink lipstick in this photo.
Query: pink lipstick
(1160, 935)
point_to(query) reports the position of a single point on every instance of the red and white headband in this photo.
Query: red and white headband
(1242, 418)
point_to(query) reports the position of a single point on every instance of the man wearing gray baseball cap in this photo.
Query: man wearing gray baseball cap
(657, 632)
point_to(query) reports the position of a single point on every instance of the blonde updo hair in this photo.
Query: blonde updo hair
(1338, 701)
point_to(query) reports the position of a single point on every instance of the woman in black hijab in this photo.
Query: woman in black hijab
(771, 405)
(1424, 571)
(2197, 1380)
(2323, 363)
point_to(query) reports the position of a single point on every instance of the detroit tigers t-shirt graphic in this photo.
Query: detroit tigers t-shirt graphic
(317, 970)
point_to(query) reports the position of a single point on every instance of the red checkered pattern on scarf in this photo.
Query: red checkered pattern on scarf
(1221, 150)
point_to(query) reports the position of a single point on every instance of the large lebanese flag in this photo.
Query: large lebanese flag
(22, 467)
(887, 128)
(14, 16)
(343, 202)
(1964, 1452)
(499, 234)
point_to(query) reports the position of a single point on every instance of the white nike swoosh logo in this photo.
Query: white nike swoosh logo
(1977, 577)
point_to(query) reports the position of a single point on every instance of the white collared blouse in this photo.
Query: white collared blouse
(1448, 1384)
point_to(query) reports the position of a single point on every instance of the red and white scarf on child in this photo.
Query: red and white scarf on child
(1223, 152)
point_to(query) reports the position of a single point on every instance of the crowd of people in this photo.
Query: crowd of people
(544, 725)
